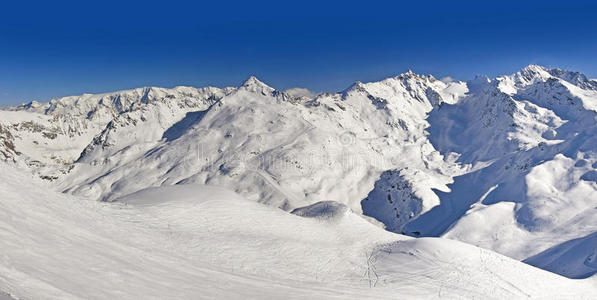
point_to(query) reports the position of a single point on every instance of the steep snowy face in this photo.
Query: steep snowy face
(576, 258)
(490, 123)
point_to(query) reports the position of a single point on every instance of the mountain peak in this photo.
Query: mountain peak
(529, 75)
(357, 86)
(33, 106)
(408, 74)
(534, 68)
(253, 81)
(255, 85)
(533, 73)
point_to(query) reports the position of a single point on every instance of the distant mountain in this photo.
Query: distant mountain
(507, 164)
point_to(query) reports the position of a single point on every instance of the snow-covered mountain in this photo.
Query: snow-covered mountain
(508, 164)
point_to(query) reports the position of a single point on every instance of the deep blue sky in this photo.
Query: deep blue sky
(57, 48)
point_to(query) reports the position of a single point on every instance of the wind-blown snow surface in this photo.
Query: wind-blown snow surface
(191, 241)
(507, 164)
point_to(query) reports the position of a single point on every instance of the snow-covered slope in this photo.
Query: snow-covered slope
(199, 242)
(576, 258)
(508, 164)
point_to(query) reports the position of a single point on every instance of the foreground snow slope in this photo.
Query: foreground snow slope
(194, 242)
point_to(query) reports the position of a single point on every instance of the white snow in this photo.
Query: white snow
(195, 242)
(508, 164)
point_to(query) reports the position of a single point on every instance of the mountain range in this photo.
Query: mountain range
(507, 164)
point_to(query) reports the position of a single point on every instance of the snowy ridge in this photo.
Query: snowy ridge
(53, 135)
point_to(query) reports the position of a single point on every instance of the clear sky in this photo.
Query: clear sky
(58, 48)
